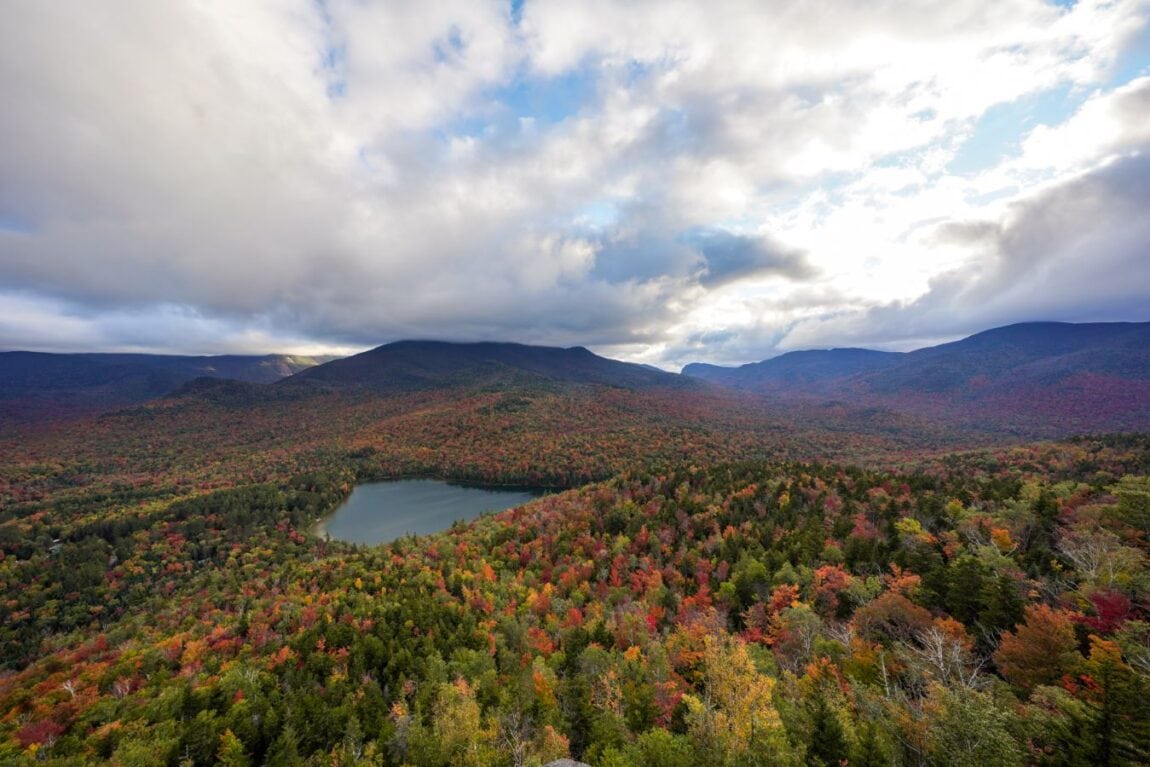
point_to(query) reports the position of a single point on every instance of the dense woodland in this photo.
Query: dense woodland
(714, 589)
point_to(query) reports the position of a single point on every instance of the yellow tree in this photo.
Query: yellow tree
(459, 734)
(735, 718)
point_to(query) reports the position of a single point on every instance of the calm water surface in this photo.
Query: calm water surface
(380, 512)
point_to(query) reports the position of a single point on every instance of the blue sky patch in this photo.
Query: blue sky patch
(450, 48)
(333, 57)
(543, 100)
(600, 214)
(1133, 62)
(548, 100)
(999, 132)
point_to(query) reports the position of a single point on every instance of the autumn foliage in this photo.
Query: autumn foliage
(713, 597)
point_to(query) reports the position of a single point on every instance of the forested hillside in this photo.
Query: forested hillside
(833, 557)
(36, 386)
(983, 608)
(1037, 379)
(415, 365)
(714, 579)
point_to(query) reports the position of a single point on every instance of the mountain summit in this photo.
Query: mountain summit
(412, 365)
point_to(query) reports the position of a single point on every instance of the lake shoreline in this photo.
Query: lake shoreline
(376, 513)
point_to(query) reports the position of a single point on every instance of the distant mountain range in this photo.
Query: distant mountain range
(34, 384)
(795, 370)
(1034, 378)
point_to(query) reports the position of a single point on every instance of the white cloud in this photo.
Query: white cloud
(1111, 122)
(1075, 251)
(347, 172)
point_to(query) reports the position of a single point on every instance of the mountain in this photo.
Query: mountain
(796, 369)
(1036, 352)
(1033, 379)
(419, 365)
(1039, 378)
(165, 601)
(35, 385)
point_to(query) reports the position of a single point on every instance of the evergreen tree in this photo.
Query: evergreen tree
(285, 749)
(828, 744)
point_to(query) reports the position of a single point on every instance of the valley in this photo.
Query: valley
(544, 383)
(776, 573)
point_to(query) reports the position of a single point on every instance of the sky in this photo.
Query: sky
(661, 181)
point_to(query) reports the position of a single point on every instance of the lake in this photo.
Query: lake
(380, 512)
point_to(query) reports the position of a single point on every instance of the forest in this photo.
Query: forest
(811, 336)
(701, 587)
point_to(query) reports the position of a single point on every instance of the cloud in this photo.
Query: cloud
(640, 177)
(1076, 249)
(727, 257)
(53, 325)
(1112, 122)
(1074, 252)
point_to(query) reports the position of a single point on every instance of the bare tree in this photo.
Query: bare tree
(515, 734)
(1099, 555)
(947, 658)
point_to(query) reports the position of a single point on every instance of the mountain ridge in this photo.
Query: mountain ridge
(1034, 379)
(42, 384)
(1061, 376)
(807, 365)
